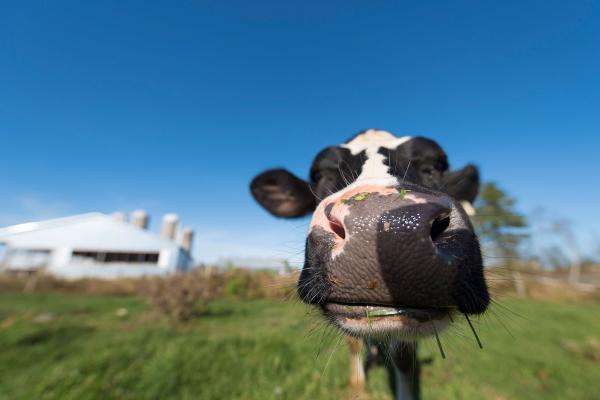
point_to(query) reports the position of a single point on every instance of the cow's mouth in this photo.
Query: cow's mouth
(374, 320)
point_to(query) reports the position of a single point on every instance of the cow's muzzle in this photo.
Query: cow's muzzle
(399, 248)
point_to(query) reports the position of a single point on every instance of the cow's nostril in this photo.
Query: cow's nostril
(337, 228)
(439, 225)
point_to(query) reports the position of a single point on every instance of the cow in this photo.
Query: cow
(391, 255)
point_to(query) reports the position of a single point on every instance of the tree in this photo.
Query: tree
(498, 223)
(564, 228)
(500, 227)
(560, 232)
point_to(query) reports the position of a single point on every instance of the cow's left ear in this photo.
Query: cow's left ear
(283, 194)
(463, 185)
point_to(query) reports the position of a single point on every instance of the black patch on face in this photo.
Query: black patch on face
(333, 169)
(420, 160)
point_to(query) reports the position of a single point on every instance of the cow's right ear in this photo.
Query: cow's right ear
(463, 185)
(283, 194)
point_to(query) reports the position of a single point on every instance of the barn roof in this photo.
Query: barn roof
(95, 231)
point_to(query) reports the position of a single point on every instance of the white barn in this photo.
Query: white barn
(97, 245)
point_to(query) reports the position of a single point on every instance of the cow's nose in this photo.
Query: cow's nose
(385, 215)
(389, 247)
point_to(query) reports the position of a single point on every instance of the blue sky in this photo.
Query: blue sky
(174, 106)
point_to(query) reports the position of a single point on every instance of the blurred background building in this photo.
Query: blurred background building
(97, 245)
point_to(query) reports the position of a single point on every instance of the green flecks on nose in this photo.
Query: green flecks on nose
(361, 196)
(403, 193)
(356, 197)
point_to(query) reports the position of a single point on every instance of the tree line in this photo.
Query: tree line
(506, 235)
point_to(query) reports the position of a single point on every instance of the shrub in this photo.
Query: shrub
(183, 296)
(247, 284)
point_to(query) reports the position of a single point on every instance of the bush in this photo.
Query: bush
(183, 296)
(179, 297)
(247, 284)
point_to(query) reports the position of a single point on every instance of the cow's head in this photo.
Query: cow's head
(390, 249)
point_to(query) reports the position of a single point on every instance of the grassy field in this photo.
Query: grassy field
(60, 346)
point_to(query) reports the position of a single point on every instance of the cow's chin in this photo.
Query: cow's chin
(380, 322)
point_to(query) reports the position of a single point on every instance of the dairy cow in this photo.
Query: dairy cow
(391, 255)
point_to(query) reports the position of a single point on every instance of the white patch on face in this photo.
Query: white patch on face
(371, 141)
(374, 171)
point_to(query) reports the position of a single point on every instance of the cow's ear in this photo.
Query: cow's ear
(463, 185)
(283, 194)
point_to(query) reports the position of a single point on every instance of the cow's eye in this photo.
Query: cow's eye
(427, 170)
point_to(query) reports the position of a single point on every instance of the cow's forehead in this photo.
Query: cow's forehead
(370, 142)
(374, 139)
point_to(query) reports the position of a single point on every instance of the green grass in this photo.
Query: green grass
(58, 346)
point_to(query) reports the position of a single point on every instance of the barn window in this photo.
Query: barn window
(116, 257)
